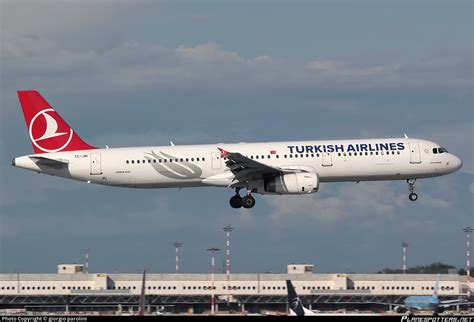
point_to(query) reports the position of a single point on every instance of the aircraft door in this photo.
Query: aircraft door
(216, 160)
(415, 156)
(96, 166)
(327, 159)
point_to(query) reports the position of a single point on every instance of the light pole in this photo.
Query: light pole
(177, 245)
(86, 260)
(213, 250)
(468, 231)
(404, 267)
(228, 229)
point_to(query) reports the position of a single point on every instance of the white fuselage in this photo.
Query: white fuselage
(202, 165)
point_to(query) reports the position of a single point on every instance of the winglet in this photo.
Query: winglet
(224, 153)
(406, 136)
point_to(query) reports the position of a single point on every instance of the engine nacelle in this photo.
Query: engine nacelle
(290, 184)
(400, 309)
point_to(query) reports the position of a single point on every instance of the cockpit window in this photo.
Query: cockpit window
(439, 150)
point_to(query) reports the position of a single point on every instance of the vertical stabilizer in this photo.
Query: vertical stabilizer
(296, 306)
(141, 305)
(47, 130)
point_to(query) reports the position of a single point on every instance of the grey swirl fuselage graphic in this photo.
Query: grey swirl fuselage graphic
(173, 167)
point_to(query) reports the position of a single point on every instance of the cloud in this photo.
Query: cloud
(134, 65)
(357, 202)
(349, 201)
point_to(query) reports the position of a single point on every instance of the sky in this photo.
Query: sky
(127, 73)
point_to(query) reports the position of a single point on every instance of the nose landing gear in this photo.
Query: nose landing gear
(237, 201)
(411, 187)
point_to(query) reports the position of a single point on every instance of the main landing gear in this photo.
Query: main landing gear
(411, 187)
(237, 201)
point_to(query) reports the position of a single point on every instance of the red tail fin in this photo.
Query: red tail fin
(48, 131)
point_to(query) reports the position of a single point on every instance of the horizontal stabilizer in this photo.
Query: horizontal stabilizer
(53, 163)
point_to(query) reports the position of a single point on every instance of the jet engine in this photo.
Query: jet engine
(400, 309)
(290, 184)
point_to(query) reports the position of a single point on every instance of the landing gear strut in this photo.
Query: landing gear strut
(237, 201)
(411, 187)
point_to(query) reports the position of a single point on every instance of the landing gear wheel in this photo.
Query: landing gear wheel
(236, 201)
(411, 187)
(248, 201)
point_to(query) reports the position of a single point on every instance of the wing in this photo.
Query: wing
(447, 304)
(246, 169)
(53, 163)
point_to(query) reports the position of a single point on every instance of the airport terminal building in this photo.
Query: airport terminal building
(71, 289)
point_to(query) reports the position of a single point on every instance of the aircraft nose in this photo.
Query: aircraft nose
(455, 163)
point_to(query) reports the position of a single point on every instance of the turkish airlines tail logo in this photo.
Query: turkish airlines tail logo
(51, 127)
(48, 131)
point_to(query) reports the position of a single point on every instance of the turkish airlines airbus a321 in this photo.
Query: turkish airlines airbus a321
(284, 168)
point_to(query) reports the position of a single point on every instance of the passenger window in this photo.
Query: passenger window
(197, 159)
(317, 155)
(307, 155)
(376, 153)
(263, 157)
(149, 161)
(312, 155)
(285, 156)
(256, 157)
(366, 153)
(203, 159)
(339, 154)
(164, 160)
(302, 155)
(277, 156)
(251, 157)
(181, 160)
(269, 157)
(154, 160)
(133, 161)
(296, 155)
(435, 151)
(291, 155)
(126, 161)
(192, 159)
(350, 154)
